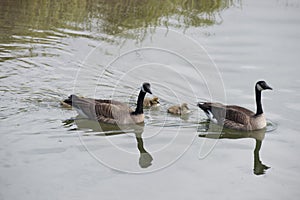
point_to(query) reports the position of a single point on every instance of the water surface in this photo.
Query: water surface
(189, 52)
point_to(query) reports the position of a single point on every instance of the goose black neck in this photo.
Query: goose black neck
(259, 109)
(139, 107)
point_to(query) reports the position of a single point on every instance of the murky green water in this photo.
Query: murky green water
(189, 51)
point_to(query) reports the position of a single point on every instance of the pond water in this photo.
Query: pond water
(189, 51)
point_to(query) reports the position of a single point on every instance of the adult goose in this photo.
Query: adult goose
(236, 117)
(110, 111)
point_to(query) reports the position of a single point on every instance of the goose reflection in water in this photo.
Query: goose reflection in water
(106, 130)
(259, 135)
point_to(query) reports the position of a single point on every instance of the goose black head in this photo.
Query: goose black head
(146, 88)
(262, 85)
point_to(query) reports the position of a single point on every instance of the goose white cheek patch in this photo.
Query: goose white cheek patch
(259, 87)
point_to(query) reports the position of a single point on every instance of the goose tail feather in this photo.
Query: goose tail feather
(205, 107)
(76, 101)
(68, 100)
(215, 112)
(84, 106)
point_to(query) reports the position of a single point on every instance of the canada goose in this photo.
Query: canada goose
(236, 117)
(151, 102)
(110, 111)
(179, 109)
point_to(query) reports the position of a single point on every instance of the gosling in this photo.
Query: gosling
(179, 109)
(151, 102)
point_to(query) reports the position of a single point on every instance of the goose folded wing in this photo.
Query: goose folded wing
(113, 102)
(111, 111)
(238, 114)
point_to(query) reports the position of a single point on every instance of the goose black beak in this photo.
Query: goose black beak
(268, 88)
(265, 86)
